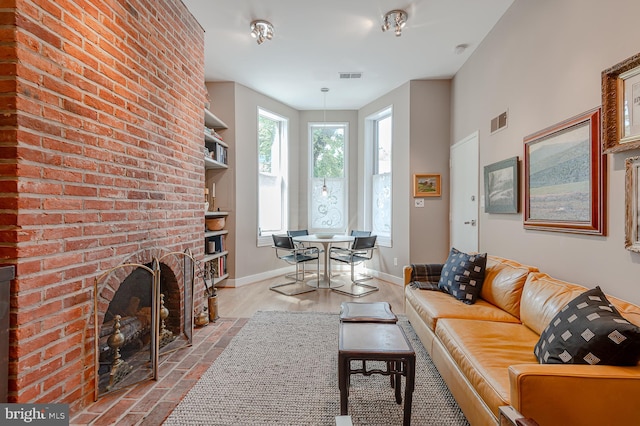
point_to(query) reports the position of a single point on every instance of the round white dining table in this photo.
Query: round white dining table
(326, 245)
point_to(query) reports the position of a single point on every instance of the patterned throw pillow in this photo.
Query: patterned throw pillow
(589, 330)
(462, 275)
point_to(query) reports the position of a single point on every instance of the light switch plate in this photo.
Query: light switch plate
(419, 202)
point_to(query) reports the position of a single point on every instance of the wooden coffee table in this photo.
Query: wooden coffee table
(365, 341)
(367, 312)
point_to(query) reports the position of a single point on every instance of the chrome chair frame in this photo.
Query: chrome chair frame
(354, 233)
(360, 251)
(298, 233)
(288, 251)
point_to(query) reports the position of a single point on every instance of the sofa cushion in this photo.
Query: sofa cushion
(542, 299)
(503, 283)
(462, 275)
(433, 305)
(589, 330)
(484, 350)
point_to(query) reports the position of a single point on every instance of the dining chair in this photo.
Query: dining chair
(360, 251)
(300, 233)
(356, 233)
(287, 251)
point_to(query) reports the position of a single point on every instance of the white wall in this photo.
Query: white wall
(429, 153)
(543, 62)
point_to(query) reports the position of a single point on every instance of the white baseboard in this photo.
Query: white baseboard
(250, 279)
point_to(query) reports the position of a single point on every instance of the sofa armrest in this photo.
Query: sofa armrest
(576, 394)
(422, 272)
(407, 274)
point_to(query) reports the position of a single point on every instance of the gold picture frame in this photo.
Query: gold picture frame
(427, 185)
(621, 106)
(632, 206)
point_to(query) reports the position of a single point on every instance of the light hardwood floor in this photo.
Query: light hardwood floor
(244, 301)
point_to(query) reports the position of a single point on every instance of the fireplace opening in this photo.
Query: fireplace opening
(125, 352)
(148, 315)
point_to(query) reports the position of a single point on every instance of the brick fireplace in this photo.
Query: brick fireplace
(100, 163)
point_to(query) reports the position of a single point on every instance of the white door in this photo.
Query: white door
(463, 214)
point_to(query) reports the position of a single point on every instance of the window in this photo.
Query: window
(381, 175)
(328, 169)
(272, 176)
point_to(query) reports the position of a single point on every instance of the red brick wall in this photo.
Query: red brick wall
(100, 158)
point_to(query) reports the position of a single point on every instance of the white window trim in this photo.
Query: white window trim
(310, 175)
(369, 133)
(266, 239)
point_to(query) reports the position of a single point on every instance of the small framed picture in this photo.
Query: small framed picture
(426, 185)
(632, 204)
(501, 186)
(621, 106)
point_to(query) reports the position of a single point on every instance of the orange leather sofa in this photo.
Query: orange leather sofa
(484, 351)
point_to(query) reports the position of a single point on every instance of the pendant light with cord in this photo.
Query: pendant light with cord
(324, 90)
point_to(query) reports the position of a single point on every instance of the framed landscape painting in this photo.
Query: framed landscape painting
(426, 185)
(632, 204)
(501, 187)
(564, 171)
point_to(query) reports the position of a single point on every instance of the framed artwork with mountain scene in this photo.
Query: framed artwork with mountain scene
(565, 177)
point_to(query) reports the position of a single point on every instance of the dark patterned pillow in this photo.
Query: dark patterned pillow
(462, 275)
(589, 330)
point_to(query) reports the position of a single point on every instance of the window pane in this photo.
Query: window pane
(379, 165)
(327, 212)
(272, 171)
(328, 144)
(383, 133)
(328, 151)
(381, 212)
(267, 144)
(270, 201)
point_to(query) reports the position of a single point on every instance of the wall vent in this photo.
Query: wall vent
(346, 75)
(499, 122)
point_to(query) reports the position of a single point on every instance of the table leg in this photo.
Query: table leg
(326, 245)
(398, 384)
(327, 277)
(343, 383)
(409, 386)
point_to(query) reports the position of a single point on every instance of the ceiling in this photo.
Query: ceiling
(316, 40)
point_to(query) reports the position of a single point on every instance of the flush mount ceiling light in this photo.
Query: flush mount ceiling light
(261, 30)
(397, 18)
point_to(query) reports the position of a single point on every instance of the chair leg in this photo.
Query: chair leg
(296, 276)
(300, 286)
(355, 284)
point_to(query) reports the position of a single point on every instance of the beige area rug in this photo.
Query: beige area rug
(282, 369)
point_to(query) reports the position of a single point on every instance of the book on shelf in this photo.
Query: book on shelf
(218, 267)
(219, 243)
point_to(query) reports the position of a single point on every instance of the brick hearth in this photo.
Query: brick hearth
(150, 402)
(100, 163)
